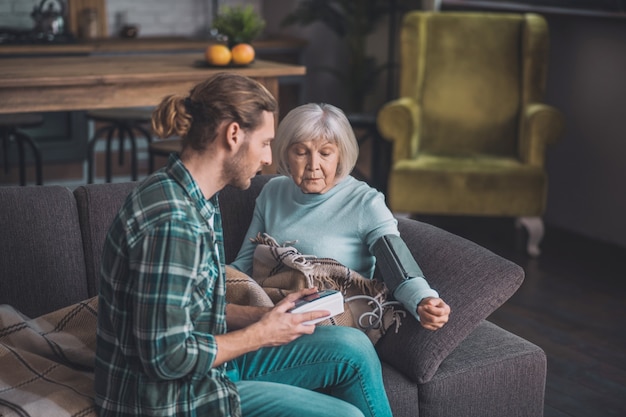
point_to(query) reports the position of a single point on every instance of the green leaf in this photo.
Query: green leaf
(239, 24)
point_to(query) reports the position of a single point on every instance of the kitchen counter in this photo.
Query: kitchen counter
(59, 83)
(168, 44)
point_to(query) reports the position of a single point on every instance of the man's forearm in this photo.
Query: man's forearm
(240, 338)
(238, 316)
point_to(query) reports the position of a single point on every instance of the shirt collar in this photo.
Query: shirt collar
(177, 170)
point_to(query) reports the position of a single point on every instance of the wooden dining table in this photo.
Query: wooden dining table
(66, 83)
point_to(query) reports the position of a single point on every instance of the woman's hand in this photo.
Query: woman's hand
(433, 313)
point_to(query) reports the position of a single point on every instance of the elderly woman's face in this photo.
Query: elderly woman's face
(313, 165)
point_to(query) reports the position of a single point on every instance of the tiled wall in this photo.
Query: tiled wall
(154, 17)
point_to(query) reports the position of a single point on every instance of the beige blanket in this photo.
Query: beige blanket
(280, 269)
(46, 364)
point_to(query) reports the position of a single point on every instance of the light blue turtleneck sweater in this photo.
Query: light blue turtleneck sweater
(342, 224)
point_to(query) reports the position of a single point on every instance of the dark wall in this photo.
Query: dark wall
(587, 168)
(587, 82)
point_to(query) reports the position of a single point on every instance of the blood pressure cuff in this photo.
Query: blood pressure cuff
(395, 261)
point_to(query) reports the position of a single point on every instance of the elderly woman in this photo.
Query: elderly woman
(330, 214)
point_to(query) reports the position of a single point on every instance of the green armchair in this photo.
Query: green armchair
(469, 128)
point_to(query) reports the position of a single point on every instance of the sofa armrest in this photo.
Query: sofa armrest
(542, 125)
(492, 373)
(471, 279)
(398, 121)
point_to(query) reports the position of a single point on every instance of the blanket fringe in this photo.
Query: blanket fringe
(327, 273)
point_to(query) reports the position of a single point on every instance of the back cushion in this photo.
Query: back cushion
(42, 265)
(237, 207)
(98, 205)
(470, 83)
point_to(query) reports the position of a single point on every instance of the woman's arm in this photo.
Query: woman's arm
(406, 281)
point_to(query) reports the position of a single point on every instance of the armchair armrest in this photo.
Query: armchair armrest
(542, 125)
(471, 279)
(398, 121)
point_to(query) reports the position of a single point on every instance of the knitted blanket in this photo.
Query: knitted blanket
(46, 364)
(243, 290)
(280, 269)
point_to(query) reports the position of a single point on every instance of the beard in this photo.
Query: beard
(236, 169)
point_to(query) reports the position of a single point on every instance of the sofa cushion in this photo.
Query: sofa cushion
(42, 265)
(471, 279)
(98, 205)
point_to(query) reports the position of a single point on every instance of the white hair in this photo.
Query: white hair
(316, 121)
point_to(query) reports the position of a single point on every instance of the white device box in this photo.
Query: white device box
(330, 300)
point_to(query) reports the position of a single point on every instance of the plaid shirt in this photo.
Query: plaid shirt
(162, 300)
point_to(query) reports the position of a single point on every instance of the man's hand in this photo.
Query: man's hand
(433, 313)
(276, 327)
(279, 327)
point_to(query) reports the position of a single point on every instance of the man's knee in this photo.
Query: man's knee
(260, 398)
(349, 340)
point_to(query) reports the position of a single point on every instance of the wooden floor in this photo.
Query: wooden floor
(572, 304)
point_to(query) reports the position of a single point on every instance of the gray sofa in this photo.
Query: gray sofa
(51, 238)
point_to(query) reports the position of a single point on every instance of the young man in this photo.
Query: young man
(168, 344)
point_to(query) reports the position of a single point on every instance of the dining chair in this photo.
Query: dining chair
(11, 131)
(119, 125)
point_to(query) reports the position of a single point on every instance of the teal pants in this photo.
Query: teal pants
(284, 381)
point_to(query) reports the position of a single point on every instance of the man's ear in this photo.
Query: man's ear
(234, 135)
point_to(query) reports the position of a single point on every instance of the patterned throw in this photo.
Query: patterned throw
(243, 290)
(47, 362)
(281, 269)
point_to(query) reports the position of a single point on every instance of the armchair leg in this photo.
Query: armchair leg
(535, 229)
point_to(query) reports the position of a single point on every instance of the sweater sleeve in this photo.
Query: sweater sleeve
(411, 292)
(376, 220)
(380, 222)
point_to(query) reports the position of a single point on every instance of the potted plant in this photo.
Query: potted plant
(354, 21)
(240, 24)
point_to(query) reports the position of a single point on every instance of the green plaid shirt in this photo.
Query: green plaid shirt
(162, 300)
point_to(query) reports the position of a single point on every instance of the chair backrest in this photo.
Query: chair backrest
(472, 74)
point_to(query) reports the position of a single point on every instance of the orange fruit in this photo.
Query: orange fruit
(243, 54)
(218, 54)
